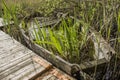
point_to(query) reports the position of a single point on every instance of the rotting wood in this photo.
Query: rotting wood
(14, 68)
(41, 24)
(26, 75)
(14, 57)
(54, 74)
(102, 55)
(11, 64)
(56, 60)
(19, 58)
(3, 23)
(58, 74)
(20, 71)
(16, 49)
(103, 49)
(49, 77)
(89, 66)
(25, 71)
(42, 62)
(19, 63)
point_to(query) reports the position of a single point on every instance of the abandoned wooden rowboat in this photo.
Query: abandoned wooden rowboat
(69, 68)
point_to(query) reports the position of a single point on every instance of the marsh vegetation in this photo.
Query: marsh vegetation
(64, 27)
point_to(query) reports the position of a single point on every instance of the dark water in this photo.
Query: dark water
(113, 69)
(110, 71)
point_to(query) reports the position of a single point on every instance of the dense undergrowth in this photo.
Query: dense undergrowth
(70, 38)
(66, 40)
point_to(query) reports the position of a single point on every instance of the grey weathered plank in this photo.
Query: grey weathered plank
(49, 77)
(12, 75)
(13, 57)
(55, 74)
(103, 49)
(19, 73)
(25, 75)
(92, 64)
(4, 53)
(6, 44)
(32, 73)
(28, 73)
(14, 63)
(18, 62)
(2, 23)
(14, 68)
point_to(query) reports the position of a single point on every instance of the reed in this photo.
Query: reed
(66, 41)
(70, 39)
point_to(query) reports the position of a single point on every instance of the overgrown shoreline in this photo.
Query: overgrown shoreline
(65, 37)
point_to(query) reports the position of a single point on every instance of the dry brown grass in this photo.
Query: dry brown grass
(21, 2)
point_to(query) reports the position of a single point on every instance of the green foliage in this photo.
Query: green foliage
(66, 41)
(9, 14)
(70, 39)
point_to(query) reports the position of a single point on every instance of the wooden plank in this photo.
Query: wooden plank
(54, 74)
(11, 64)
(38, 71)
(103, 49)
(11, 48)
(14, 68)
(18, 73)
(2, 23)
(13, 57)
(42, 62)
(50, 77)
(28, 73)
(60, 75)
(57, 61)
(10, 51)
(4, 37)
(92, 64)
(19, 63)
(6, 44)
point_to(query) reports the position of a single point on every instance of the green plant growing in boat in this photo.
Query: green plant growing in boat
(69, 40)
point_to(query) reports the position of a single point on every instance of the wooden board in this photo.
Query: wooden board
(19, 63)
(54, 74)
(2, 23)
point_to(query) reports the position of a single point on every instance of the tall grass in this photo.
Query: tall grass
(71, 38)
(97, 14)
(66, 41)
(9, 14)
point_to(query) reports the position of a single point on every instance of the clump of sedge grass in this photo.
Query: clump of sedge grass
(9, 15)
(69, 40)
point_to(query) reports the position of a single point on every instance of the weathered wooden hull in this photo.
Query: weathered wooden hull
(70, 68)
